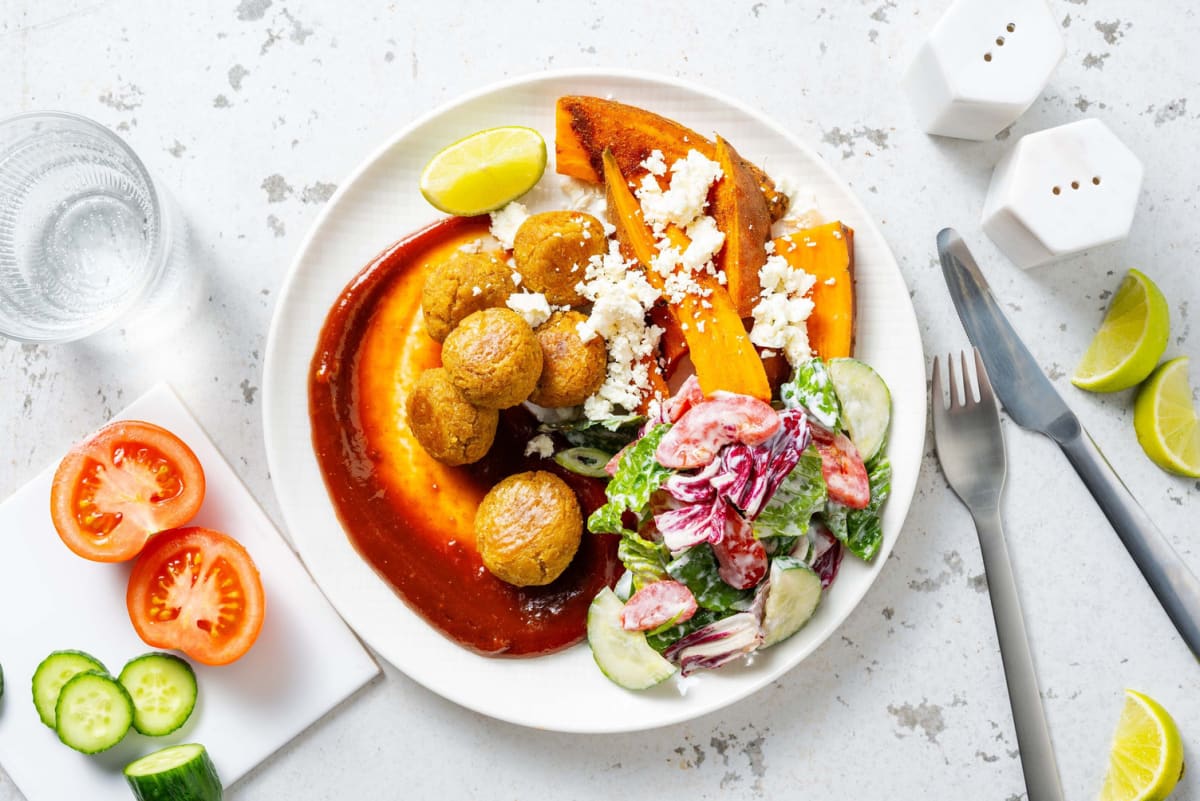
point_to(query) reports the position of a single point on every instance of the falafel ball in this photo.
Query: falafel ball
(552, 251)
(463, 284)
(446, 424)
(572, 370)
(493, 358)
(528, 528)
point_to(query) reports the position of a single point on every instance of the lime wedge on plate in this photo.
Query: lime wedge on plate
(485, 171)
(1164, 417)
(1130, 341)
(1146, 760)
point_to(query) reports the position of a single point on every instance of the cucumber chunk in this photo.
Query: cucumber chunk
(623, 656)
(176, 773)
(54, 672)
(792, 597)
(163, 689)
(94, 712)
(866, 404)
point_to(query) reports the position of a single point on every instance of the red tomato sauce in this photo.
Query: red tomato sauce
(410, 517)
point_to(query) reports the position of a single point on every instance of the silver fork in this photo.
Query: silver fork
(970, 446)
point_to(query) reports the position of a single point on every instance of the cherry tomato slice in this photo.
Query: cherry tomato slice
(198, 591)
(121, 486)
(843, 469)
(741, 557)
(657, 604)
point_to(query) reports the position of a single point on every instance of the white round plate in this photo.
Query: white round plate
(379, 204)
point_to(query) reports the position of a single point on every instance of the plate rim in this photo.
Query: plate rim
(900, 501)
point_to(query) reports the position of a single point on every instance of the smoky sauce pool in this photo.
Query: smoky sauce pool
(409, 516)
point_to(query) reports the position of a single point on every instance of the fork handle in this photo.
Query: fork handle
(1029, 719)
(1175, 586)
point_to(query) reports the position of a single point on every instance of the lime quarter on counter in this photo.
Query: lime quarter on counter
(484, 171)
(1164, 417)
(1146, 760)
(1130, 341)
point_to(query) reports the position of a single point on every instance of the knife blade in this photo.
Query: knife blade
(1032, 402)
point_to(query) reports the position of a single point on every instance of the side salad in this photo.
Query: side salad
(734, 516)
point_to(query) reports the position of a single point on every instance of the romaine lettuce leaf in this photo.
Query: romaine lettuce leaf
(638, 476)
(801, 494)
(862, 529)
(811, 388)
(646, 561)
(609, 435)
(697, 568)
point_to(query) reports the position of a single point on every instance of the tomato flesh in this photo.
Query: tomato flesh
(125, 483)
(198, 591)
(842, 468)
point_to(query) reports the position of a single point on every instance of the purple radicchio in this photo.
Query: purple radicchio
(717, 644)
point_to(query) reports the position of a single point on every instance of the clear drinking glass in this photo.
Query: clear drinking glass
(84, 232)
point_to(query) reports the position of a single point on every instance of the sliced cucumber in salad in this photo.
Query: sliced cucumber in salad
(176, 773)
(623, 656)
(792, 598)
(94, 712)
(163, 689)
(866, 404)
(53, 673)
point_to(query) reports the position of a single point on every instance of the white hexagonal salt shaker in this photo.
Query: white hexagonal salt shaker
(1061, 191)
(984, 63)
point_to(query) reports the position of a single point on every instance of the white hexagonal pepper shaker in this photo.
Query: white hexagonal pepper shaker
(1061, 191)
(984, 63)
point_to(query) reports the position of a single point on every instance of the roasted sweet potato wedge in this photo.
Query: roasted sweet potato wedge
(742, 215)
(827, 253)
(586, 126)
(717, 341)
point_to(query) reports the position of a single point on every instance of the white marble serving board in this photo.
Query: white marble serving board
(304, 663)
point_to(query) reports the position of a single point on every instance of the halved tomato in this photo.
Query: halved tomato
(121, 486)
(843, 469)
(197, 591)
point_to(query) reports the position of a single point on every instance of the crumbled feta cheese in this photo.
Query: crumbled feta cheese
(506, 221)
(541, 446)
(655, 163)
(831, 280)
(782, 311)
(686, 196)
(472, 247)
(585, 197)
(620, 296)
(532, 306)
(476, 291)
(770, 246)
(707, 239)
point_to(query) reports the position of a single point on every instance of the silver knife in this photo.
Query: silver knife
(1032, 403)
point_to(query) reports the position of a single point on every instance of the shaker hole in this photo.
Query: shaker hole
(1057, 190)
(987, 56)
(1096, 181)
(1074, 184)
(1000, 41)
(1012, 26)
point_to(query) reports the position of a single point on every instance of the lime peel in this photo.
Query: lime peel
(1165, 420)
(1131, 338)
(485, 171)
(1146, 759)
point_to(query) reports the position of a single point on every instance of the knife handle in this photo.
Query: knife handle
(1175, 586)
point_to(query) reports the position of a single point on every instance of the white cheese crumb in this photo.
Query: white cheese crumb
(830, 281)
(782, 311)
(476, 291)
(541, 446)
(655, 163)
(472, 247)
(770, 246)
(506, 221)
(686, 196)
(585, 197)
(532, 306)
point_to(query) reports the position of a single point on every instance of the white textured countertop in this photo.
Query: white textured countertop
(252, 112)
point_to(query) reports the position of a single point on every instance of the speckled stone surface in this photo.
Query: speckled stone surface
(252, 112)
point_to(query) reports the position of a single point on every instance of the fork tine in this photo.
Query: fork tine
(937, 398)
(969, 393)
(985, 385)
(952, 375)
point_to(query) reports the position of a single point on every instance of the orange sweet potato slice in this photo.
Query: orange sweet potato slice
(742, 215)
(584, 127)
(717, 341)
(827, 253)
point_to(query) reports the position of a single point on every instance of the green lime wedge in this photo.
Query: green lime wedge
(1130, 341)
(485, 171)
(1164, 417)
(1146, 759)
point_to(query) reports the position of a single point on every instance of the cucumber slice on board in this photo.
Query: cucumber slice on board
(163, 689)
(795, 591)
(623, 656)
(94, 712)
(54, 672)
(866, 404)
(176, 773)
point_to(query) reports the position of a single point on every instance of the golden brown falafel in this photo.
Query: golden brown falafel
(528, 528)
(461, 285)
(493, 358)
(572, 370)
(447, 425)
(552, 249)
